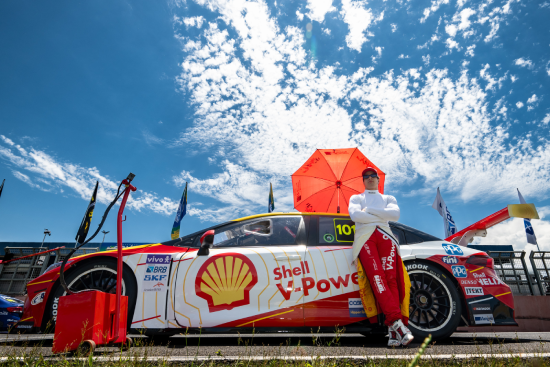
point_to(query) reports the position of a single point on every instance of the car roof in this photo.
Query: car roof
(289, 213)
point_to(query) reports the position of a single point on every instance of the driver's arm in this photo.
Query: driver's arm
(357, 214)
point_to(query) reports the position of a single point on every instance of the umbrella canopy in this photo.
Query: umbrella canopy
(329, 178)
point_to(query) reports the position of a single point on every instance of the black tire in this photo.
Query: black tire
(98, 273)
(435, 306)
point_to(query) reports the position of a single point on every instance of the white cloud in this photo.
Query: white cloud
(326, 31)
(432, 9)
(57, 175)
(358, 18)
(532, 102)
(519, 104)
(258, 98)
(470, 51)
(318, 9)
(426, 60)
(491, 82)
(299, 15)
(524, 63)
(513, 78)
(451, 29)
(393, 27)
(548, 68)
(403, 56)
(546, 119)
(190, 21)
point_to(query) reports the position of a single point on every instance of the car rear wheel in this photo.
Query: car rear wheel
(435, 306)
(98, 274)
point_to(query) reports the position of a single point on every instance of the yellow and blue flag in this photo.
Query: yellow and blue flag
(87, 220)
(271, 205)
(180, 214)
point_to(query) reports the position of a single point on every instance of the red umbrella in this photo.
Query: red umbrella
(329, 177)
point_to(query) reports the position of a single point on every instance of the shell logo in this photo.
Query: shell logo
(225, 281)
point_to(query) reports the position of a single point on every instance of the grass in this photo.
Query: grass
(145, 353)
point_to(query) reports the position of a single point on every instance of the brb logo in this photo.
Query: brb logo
(459, 271)
(225, 281)
(451, 249)
(450, 260)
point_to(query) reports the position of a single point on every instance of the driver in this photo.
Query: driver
(378, 252)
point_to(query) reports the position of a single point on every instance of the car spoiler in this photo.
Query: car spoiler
(479, 229)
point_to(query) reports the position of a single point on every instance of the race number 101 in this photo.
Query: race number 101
(344, 229)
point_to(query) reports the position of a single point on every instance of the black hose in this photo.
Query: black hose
(62, 271)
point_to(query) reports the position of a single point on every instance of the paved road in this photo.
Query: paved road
(296, 345)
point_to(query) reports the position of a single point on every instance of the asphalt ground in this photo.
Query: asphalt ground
(300, 346)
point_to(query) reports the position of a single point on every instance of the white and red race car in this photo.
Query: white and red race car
(279, 272)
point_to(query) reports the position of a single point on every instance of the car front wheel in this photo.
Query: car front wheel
(98, 274)
(435, 306)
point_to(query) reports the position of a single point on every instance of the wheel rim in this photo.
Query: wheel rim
(431, 306)
(101, 279)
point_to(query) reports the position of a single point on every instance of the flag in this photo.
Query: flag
(2, 187)
(448, 222)
(180, 214)
(87, 220)
(531, 238)
(271, 204)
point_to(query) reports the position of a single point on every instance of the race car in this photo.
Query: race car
(11, 310)
(278, 272)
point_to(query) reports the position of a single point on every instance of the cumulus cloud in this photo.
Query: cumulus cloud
(359, 18)
(318, 9)
(519, 104)
(524, 63)
(546, 119)
(58, 176)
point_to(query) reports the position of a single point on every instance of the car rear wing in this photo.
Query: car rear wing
(479, 229)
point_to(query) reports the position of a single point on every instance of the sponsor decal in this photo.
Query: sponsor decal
(484, 319)
(479, 275)
(355, 307)
(474, 291)
(452, 249)
(388, 264)
(23, 326)
(417, 266)
(490, 281)
(481, 308)
(469, 282)
(156, 273)
(158, 259)
(379, 284)
(3, 313)
(54, 308)
(459, 271)
(39, 298)
(328, 237)
(451, 260)
(225, 281)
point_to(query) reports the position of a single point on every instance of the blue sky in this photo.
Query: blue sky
(231, 95)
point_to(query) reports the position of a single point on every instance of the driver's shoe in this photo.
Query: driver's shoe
(403, 332)
(394, 340)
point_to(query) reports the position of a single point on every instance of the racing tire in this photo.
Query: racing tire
(99, 274)
(435, 305)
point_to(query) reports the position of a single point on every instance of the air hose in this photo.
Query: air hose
(62, 271)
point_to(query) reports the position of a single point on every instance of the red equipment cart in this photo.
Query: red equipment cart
(92, 318)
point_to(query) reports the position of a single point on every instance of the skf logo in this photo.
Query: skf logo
(225, 281)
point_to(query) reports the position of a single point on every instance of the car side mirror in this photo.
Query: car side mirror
(207, 240)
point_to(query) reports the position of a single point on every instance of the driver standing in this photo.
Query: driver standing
(378, 251)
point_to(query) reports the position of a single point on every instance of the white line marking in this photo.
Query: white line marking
(481, 300)
(297, 358)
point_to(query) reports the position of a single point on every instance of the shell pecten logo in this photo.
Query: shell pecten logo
(225, 281)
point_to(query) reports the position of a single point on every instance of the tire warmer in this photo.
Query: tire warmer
(378, 240)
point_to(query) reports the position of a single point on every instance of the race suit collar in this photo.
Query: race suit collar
(371, 192)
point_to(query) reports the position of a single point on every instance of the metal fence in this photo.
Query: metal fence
(540, 261)
(15, 275)
(511, 268)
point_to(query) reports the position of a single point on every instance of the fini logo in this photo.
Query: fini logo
(225, 281)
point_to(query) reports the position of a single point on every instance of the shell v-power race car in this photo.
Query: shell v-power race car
(280, 272)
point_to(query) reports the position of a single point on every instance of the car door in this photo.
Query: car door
(331, 291)
(251, 277)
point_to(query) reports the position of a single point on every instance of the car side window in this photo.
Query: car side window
(399, 234)
(336, 231)
(412, 238)
(260, 232)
